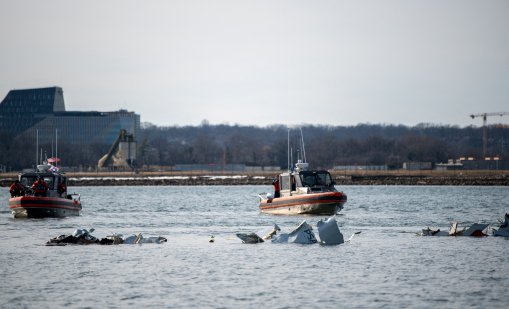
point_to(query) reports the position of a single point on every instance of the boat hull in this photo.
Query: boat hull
(327, 203)
(43, 207)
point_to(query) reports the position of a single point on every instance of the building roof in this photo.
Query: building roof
(40, 112)
(37, 100)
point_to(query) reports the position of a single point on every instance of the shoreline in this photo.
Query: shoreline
(412, 178)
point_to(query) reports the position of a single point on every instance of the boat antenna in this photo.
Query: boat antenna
(291, 158)
(303, 147)
(289, 149)
(37, 148)
(56, 147)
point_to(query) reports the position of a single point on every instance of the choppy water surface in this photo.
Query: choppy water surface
(387, 265)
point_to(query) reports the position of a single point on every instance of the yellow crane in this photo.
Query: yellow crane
(485, 128)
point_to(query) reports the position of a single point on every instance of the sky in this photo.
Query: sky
(264, 62)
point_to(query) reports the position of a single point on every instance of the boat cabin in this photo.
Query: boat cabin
(316, 179)
(305, 182)
(51, 179)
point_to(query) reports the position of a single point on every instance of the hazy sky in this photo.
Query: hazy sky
(264, 62)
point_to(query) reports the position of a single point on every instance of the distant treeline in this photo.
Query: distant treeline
(325, 146)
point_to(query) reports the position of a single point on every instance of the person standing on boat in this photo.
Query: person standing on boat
(16, 189)
(61, 188)
(40, 187)
(275, 182)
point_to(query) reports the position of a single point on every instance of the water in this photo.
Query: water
(387, 265)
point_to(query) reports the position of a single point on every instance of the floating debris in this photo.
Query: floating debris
(351, 237)
(328, 231)
(139, 239)
(254, 238)
(303, 234)
(437, 232)
(475, 230)
(84, 237)
(272, 233)
(251, 238)
(503, 230)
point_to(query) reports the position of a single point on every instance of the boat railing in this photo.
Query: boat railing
(317, 189)
(265, 196)
(28, 192)
(303, 190)
(74, 197)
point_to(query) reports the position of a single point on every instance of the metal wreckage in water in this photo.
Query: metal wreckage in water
(84, 237)
(328, 231)
(475, 230)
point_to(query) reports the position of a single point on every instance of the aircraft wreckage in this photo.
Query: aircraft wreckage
(475, 230)
(84, 237)
(328, 232)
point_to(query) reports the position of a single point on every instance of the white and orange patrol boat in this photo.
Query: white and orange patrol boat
(303, 192)
(54, 203)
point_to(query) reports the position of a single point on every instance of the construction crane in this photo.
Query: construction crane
(485, 128)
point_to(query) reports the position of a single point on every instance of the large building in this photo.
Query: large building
(28, 112)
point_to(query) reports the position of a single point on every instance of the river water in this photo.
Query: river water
(387, 265)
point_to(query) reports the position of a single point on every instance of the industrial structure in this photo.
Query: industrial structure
(42, 110)
(121, 154)
(485, 129)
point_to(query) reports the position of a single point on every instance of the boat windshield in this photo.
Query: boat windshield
(28, 181)
(313, 179)
(325, 178)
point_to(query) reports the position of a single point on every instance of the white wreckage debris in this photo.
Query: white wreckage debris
(84, 237)
(139, 239)
(503, 230)
(303, 234)
(475, 230)
(328, 232)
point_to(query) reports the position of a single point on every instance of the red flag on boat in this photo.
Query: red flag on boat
(54, 159)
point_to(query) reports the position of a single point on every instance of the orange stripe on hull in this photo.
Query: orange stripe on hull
(43, 202)
(318, 203)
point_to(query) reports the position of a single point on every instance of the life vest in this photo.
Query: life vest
(40, 187)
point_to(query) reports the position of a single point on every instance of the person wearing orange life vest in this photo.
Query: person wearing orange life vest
(275, 182)
(16, 189)
(40, 187)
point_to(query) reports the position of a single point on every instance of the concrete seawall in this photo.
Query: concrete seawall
(477, 179)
